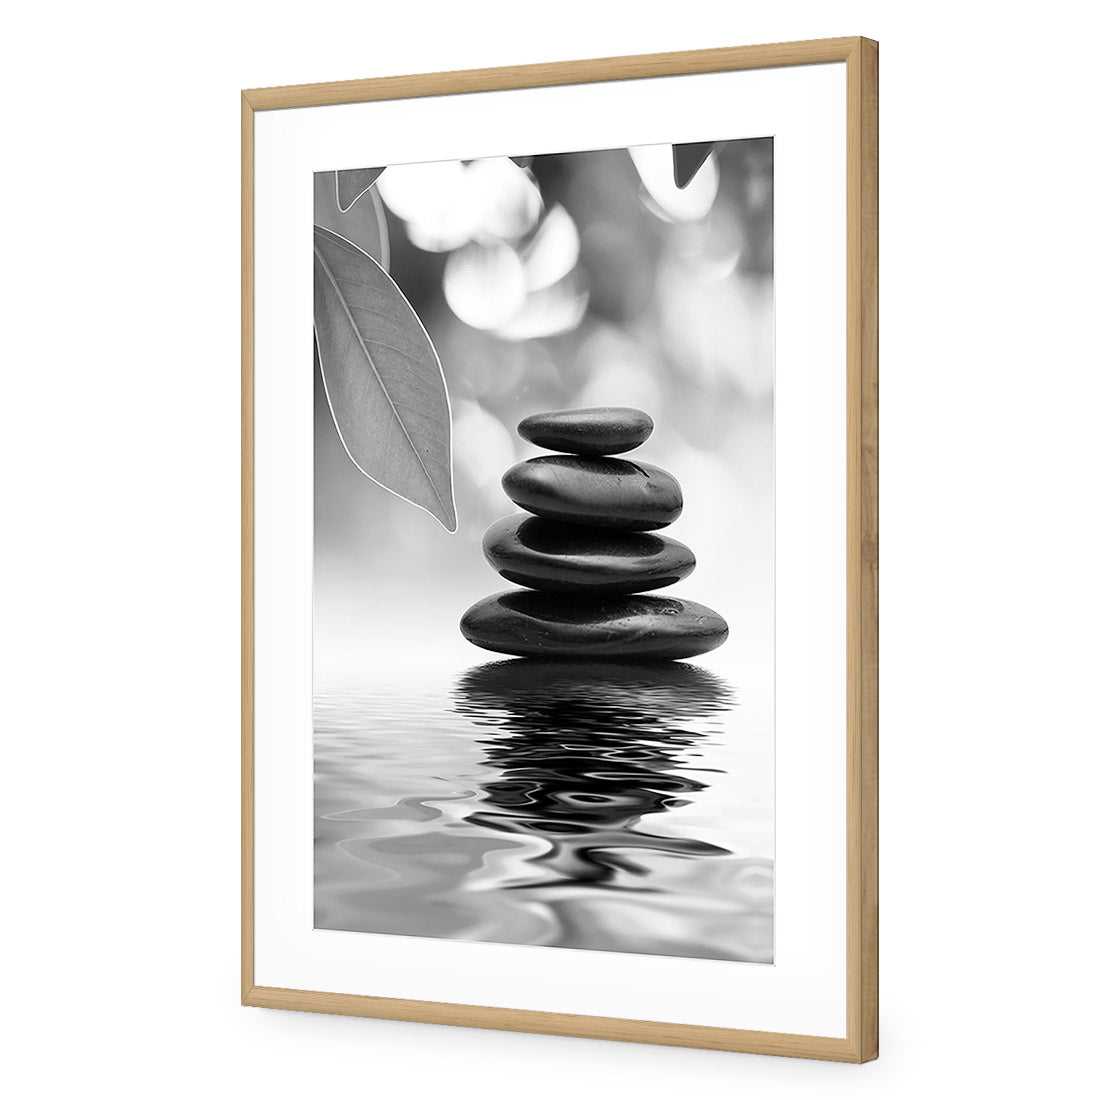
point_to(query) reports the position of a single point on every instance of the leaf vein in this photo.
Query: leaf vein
(374, 367)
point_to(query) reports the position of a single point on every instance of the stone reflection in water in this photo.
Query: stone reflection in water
(550, 803)
(592, 748)
(589, 754)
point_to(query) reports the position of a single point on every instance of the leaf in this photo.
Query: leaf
(364, 225)
(382, 377)
(688, 159)
(352, 184)
(522, 162)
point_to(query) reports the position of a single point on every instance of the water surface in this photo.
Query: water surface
(551, 803)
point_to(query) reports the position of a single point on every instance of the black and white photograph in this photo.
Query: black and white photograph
(619, 619)
(543, 560)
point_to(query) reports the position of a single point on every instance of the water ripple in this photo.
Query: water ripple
(529, 806)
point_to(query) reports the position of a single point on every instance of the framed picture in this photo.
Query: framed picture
(559, 592)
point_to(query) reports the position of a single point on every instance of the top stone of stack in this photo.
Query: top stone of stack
(602, 431)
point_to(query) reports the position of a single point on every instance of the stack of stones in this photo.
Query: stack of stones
(587, 550)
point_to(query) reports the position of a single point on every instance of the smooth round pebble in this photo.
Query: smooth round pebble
(558, 557)
(541, 624)
(603, 431)
(596, 492)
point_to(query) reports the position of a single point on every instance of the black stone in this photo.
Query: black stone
(596, 492)
(542, 624)
(558, 557)
(606, 431)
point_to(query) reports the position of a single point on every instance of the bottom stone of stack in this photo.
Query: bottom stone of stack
(540, 624)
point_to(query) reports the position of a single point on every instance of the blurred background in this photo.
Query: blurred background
(553, 282)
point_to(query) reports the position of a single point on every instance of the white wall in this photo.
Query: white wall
(119, 438)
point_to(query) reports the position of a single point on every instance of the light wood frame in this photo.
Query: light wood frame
(860, 55)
